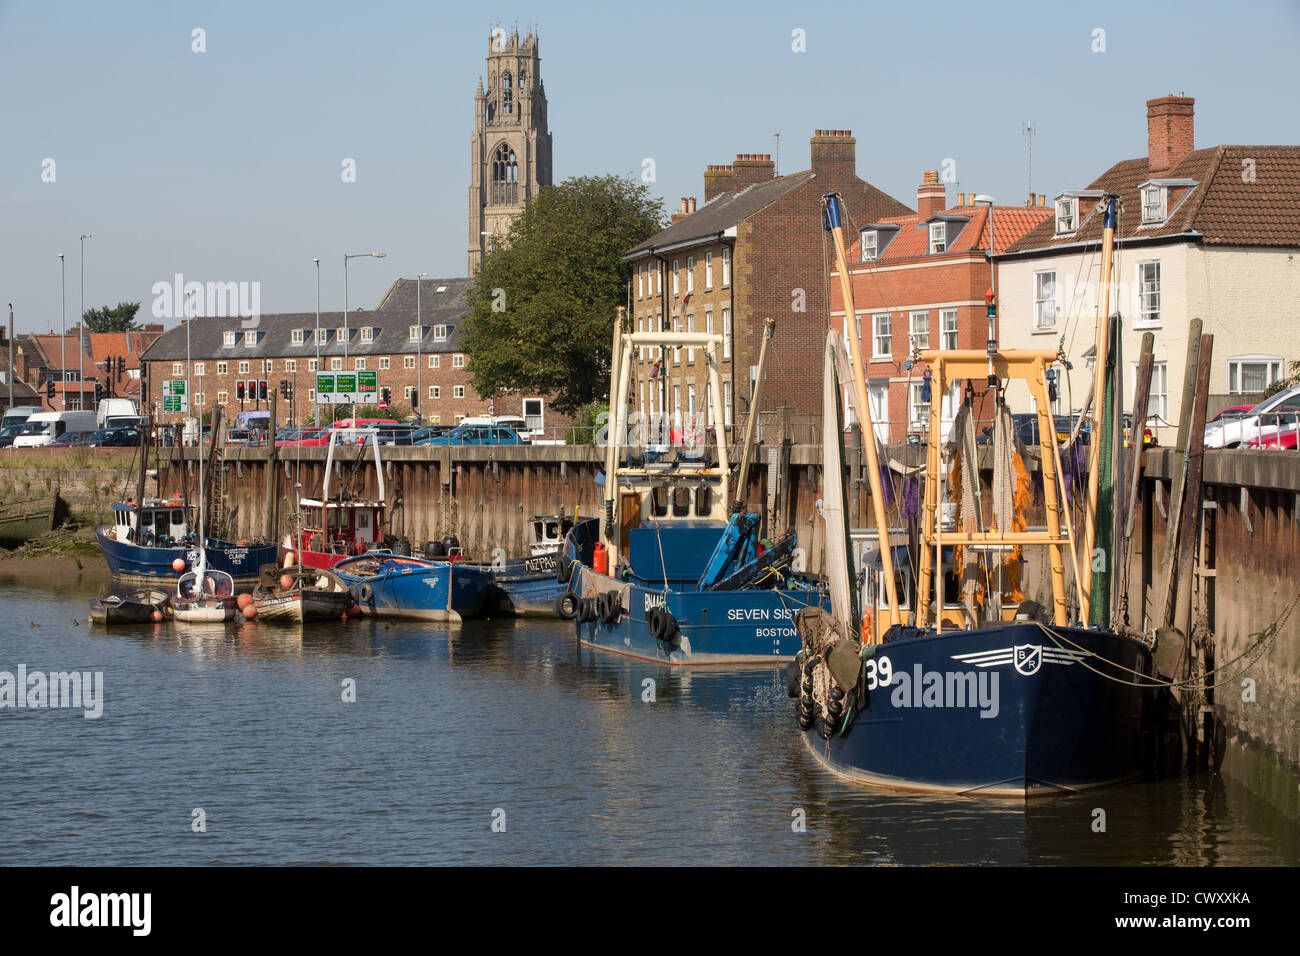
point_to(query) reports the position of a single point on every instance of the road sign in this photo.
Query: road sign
(174, 397)
(367, 385)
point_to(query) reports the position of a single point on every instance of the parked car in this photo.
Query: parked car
(1026, 425)
(1232, 411)
(464, 434)
(114, 438)
(1274, 415)
(421, 436)
(8, 434)
(70, 440)
(1285, 439)
(284, 436)
(238, 436)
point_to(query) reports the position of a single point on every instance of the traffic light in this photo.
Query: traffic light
(49, 386)
(284, 388)
(415, 400)
(261, 389)
(387, 395)
(121, 363)
(239, 389)
(99, 392)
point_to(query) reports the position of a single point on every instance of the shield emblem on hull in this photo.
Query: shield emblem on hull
(1028, 658)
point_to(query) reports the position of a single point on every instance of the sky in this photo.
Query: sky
(225, 165)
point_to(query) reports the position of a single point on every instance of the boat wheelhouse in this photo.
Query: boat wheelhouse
(158, 522)
(334, 527)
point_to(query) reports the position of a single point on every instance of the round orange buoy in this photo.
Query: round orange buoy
(353, 611)
(156, 616)
(286, 581)
(343, 616)
(288, 559)
(250, 610)
(241, 543)
(243, 601)
(178, 564)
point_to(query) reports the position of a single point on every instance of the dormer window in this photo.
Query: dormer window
(296, 336)
(367, 333)
(1153, 204)
(870, 242)
(938, 237)
(322, 336)
(228, 339)
(440, 333)
(250, 339)
(340, 335)
(413, 333)
(1067, 216)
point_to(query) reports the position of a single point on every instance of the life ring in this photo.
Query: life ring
(365, 592)
(566, 605)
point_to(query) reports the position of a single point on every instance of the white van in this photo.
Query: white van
(19, 414)
(110, 408)
(43, 427)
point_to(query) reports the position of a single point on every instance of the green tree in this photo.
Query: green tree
(121, 318)
(542, 304)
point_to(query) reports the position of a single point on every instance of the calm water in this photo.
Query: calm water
(451, 725)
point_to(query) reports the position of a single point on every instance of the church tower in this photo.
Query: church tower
(510, 151)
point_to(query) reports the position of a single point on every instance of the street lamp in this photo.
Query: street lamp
(81, 332)
(419, 340)
(987, 200)
(189, 395)
(63, 338)
(346, 257)
(315, 405)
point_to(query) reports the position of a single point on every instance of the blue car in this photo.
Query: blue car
(477, 435)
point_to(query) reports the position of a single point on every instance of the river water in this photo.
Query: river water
(246, 730)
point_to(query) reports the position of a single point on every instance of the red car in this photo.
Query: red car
(1285, 438)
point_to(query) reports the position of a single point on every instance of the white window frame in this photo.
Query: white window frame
(640, 282)
(268, 366)
(250, 339)
(887, 318)
(914, 338)
(726, 333)
(358, 365)
(408, 361)
(918, 412)
(341, 334)
(336, 365)
(384, 363)
(726, 266)
(1159, 394)
(223, 398)
(690, 327)
(296, 337)
(1067, 216)
(178, 368)
(199, 369)
(407, 390)
(708, 270)
(440, 333)
(947, 329)
(874, 237)
(1154, 211)
(313, 365)
(1044, 297)
(367, 333)
(198, 399)
(435, 391)
(243, 369)
(458, 360)
(291, 365)
(221, 368)
(938, 238)
(726, 403)
(676, 273)
(1275, 365)
(458, 391)
(412, 334)
(690, 274)
(435, 361)
(323, 336)
(1146, 314)
(228, 339)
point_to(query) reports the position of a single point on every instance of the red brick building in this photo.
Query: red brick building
(39, 358)
(920, 281)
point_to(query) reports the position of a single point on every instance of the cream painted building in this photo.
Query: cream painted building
(1212, 234)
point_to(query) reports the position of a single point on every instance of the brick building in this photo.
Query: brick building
(1209, 233)
(38, 358)
(754, 250)
(920, 281)
(287, 347)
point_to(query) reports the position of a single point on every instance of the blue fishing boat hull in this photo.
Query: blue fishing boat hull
(137, 564)
(437, 592)
(526, 586)
(1008, 711)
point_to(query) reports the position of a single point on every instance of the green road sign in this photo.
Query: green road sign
(368, 384)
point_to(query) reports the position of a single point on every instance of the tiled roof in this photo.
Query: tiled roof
(1226, 207)
(402, 294)
(912, 239)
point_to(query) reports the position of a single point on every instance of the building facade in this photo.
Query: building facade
(510, 149)
(76, 363)
(754, 250)
(1208, 233)
(919, 282)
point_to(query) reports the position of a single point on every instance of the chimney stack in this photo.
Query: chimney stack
(961, 199)
(834, 154)
(931, 195)
(751, 168)
(1169, 131)
(718, 180)
(681, 213)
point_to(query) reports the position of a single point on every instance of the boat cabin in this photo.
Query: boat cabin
(546, 533)
(340, 527)
(163, 523)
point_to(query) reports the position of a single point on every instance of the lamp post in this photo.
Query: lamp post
(419, 341)
(189, 396)
(346, 257)
(987, 200)
(315, 405)
(81, 332)
(63, 338)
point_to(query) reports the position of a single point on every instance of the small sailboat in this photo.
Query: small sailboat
(299, 594)
(203, 595)
(392, 585)
(131, 607)
(970, 695)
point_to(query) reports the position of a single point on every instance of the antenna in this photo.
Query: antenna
(776, 169)
(1028, 130)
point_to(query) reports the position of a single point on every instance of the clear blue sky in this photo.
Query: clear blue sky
(225, 165)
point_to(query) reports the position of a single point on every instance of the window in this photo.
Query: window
(178, 368)
(1045, 300)
(675, 272)
(1252, 373)
(435, 361)
(227, 339)
(726, 333)
(243, 368)
(726, 267)
(533, 420)
(312, 365)
(459, 419)
(383, 364)
(1066, 216)
(1148, 294)
(870, 240)
(947, 328)
(1158, 400)
(677, 352)
(250, 339)
(268, 366)
(458, 360)
(311, 396)
(342, 335)
(295, 336)
(359, 364)
(708, 270)
(640, 282)
(882, 335)
(223, 398)
(407, 390)
(690, 327)
(291, 365)
(708, 322)
(435, 391)
(920, 330)
(367, 333)
(413, 333)
(440, 332)
(1153, 204)
(919, 414)
(726, 403)
(690, 274)
(505, 173)
(198, 399)
(458, 391)
(336, 364)
(322, 336)
(221, 368)
(938, 237)
(408, 361)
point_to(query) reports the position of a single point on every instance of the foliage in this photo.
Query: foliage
(120, 318)
(586, 424)
(542, 303)
(1282, 384)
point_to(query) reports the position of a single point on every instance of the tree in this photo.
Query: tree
(542, 304)
(121, 318)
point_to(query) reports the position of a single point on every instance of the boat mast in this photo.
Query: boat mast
(612, 420)
(1098, 391)
(751, 420)
(832, 223)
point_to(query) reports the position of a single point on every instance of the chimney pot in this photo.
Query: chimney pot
(961, 199)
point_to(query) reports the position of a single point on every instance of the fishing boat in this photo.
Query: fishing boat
(299, 594)
(130, 607)
(528, 586)
(971, 693)
(23, 520)
(675, 570)
(392, 585)
(340, 523)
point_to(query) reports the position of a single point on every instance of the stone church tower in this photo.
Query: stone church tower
(510, 151)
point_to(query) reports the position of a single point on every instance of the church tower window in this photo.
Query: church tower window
(505, 177)
(507, 106)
